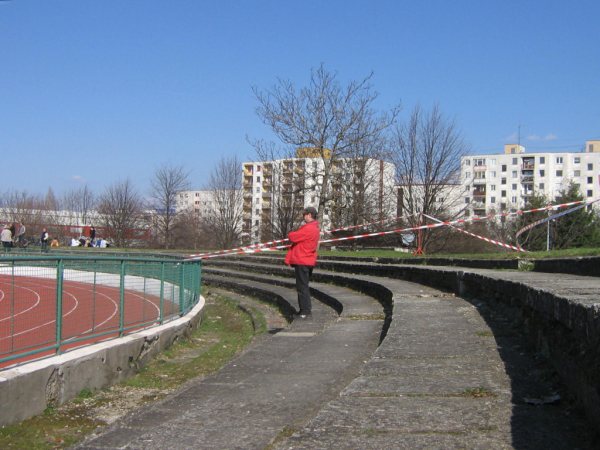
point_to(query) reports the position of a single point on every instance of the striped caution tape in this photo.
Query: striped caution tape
(483, 238)
(267, 246)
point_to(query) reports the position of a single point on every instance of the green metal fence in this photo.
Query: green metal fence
(49, 304)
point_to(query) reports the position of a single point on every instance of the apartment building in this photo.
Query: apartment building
(200, 202)
(506, 181)
(276, 191)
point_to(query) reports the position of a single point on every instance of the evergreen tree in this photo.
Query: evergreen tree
(576, 229)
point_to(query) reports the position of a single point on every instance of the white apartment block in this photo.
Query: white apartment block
(505, 181)
(286, 186)
(200, 202)
(448, 199)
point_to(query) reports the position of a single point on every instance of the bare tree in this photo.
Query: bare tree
(167, 182)
(427, 152)
(79, 204)
(324, 116)
(224, 218)
(121, 208)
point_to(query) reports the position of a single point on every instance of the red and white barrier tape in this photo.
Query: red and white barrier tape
(262, 247)
(483, 238)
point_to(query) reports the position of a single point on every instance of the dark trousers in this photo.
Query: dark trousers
(303, 274)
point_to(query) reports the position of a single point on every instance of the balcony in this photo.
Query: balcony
(527, 166)
(479, 181)
(479, 168)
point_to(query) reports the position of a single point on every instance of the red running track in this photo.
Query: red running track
(28, 314)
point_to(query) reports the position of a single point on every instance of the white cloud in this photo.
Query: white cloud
(547, 138)
(78, 178)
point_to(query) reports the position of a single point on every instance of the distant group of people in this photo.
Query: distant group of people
(9, 239)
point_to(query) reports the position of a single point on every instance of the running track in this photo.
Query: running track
(28, 313)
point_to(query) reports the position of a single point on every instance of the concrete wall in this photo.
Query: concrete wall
(29, 389)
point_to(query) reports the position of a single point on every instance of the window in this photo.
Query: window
(258, 179)
(257, 189)
(467, 175)
(197, 194)
(577, 173)
(492, 199)
(493, 162)
(467, 162)
(514, 174)
(257, 211)
(503, 181)
(258, 168)
(479, 162)
(559, 160)
(515, 161)
(514, 187)
(591, 148)
(493, 174)
(590, 193)
(480, 175)
(542, 160)
(542, 173)
(513, 200)
(503, 194)
(590, 166)
(492, 187)
(590, 180)
(503, 167)
(256, 222)
(467, 200)
(577, 160)
(559, 173)
(541, 185)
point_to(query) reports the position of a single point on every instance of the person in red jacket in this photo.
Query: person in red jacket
(302, 256)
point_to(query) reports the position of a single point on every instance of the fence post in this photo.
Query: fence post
(122, 299)
(162, 292)
(60, 269)
(181, 288)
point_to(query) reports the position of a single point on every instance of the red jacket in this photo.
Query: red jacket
(304, 245)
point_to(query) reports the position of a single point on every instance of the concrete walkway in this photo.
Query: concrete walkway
(449, 374)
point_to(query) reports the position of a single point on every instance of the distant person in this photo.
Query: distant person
(54, 243)
(6, 238)
(44, 240)
(92, 235)
(302, 256)
(75, 242)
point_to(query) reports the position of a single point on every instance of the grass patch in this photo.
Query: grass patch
(485, 334)
(388, 253)
(285, 433)
(478, 392)
(372, 316)
(225, 331)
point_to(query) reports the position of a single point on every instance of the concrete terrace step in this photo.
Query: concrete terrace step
(353, 303)
(450, 373)
(277, 384)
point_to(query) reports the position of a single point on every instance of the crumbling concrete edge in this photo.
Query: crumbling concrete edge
(29, 389)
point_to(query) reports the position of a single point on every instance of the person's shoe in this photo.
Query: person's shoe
(302, 315)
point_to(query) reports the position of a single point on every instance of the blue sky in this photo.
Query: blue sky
(98, 91)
